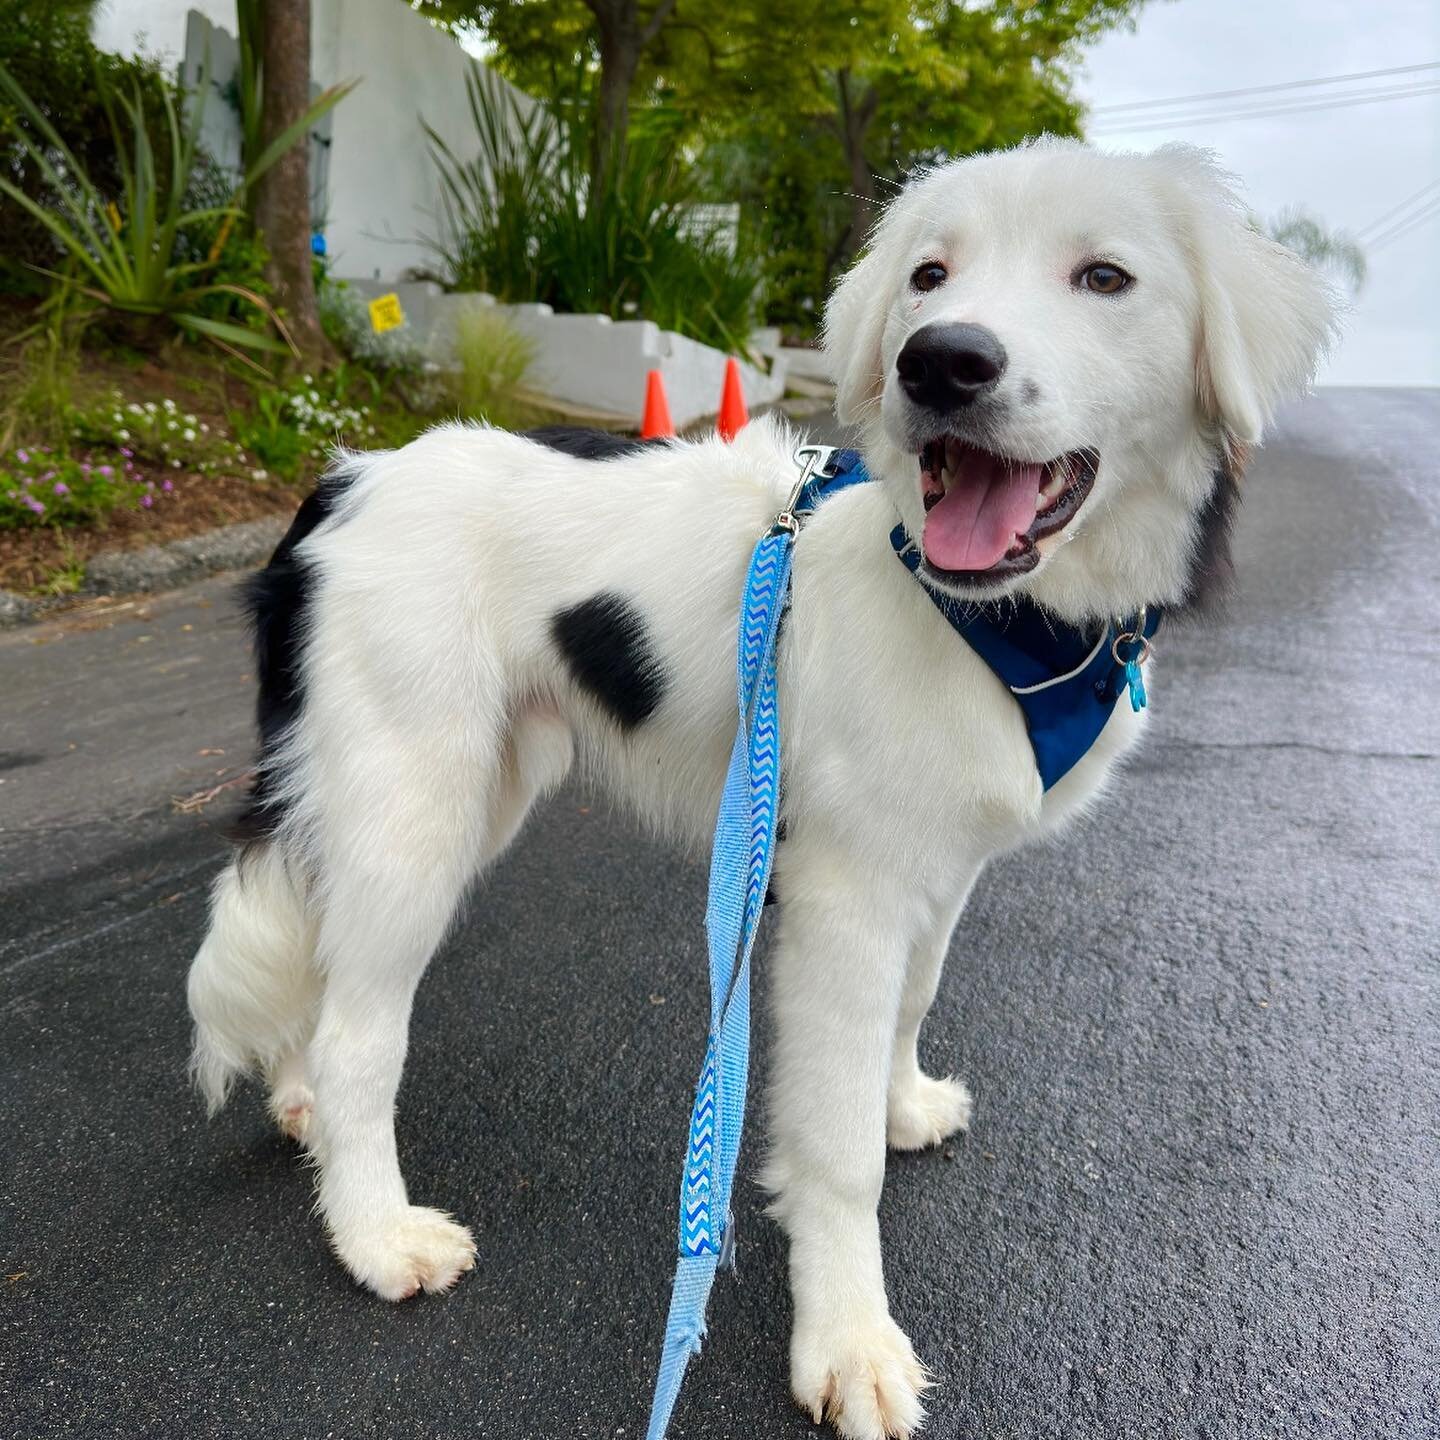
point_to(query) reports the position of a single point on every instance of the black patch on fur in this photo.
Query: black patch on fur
(588, 444)
(606, 645)
(1211, 568)
(278, 600)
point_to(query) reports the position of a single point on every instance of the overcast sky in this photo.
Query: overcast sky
(1349, 166)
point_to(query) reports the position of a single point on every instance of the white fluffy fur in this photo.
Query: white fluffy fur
(437, 708)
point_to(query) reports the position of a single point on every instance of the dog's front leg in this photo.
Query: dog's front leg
(923, 1109)
(838, 978)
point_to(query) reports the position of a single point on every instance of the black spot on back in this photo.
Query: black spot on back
(278, 600)
(588, 444)
(1211, 568)
(606, 645)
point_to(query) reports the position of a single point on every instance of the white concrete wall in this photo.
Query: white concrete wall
(591, 365)
(154, 27)
(383, 192)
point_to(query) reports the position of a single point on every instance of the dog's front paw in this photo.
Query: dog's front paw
(864, 1379)
(415, 1249)
(924, 1112)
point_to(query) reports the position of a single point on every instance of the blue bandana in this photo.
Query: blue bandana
(1065, 680)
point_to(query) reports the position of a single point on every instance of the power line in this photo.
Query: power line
(1405, 226)
(1389, 215)
(1121, 127)
(1264, 89)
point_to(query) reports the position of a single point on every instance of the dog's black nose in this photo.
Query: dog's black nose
(943, 366)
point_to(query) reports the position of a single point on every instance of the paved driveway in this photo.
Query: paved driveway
(1199, 1199)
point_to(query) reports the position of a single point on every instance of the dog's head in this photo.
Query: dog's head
(1052, 352)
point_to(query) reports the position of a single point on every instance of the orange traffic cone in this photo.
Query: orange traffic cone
(734, 417)
(657, 424)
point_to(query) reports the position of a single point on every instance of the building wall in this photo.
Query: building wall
(383, 191)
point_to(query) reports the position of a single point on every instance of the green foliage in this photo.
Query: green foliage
(39, 486)
(1334, 250)
(124, 251)
(524, 221)
(46, 46)
(808, 112)
(270, 435)
(492, 359)
(345, 316)
(294, 427)
(157, 434)
(39, 385)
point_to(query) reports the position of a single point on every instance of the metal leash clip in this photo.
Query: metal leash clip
(813, 460)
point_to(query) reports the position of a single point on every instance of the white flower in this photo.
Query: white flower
(174, 464)
(122, 434)
(189, 435)
(258, 475)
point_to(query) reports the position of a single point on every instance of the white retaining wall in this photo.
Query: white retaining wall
(591, 363)
(382, 189)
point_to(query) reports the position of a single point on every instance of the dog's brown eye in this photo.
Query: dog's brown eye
(1104, 279)
(929, 276)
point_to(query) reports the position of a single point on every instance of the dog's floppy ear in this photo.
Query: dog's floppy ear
(1266, 316)
(858, 309)
(854, 325)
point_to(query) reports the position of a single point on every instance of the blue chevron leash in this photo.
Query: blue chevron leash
(740, 864)
(1066, 683)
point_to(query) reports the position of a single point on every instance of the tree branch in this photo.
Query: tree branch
(656, 22)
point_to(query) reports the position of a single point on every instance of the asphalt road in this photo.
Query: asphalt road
(1201, 1194)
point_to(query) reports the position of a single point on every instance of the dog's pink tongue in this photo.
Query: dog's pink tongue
(987, 505)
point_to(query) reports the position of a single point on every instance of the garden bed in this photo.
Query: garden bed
(157, 448)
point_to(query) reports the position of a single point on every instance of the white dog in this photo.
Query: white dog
(1056, 360)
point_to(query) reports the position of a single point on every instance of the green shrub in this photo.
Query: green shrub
(492, 360)
(41, 487)
(270, 435)
(157, 433)
(345, 317)
(46, 46)
(123, 251)
(297, 425)
(523, 221)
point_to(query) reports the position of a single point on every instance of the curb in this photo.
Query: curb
(159, 567)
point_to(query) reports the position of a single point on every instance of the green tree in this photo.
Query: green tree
(805, 110)
(1335, 250)
(569, 49)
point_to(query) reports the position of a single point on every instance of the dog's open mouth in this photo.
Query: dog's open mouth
(985, 514)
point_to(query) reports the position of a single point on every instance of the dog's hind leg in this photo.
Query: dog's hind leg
(253, 989)
(922, 1110)
(434, 812)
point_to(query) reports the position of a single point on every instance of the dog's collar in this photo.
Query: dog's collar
(1065, 680)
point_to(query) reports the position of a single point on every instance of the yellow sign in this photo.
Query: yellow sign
(385, 313)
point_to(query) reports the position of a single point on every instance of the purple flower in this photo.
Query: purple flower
(104, 470)
(85, 466)
(61, 488)
(147, 501)
(23, 456)
(48, 475)
(128, 454)
(167, 487)
(35, 504)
